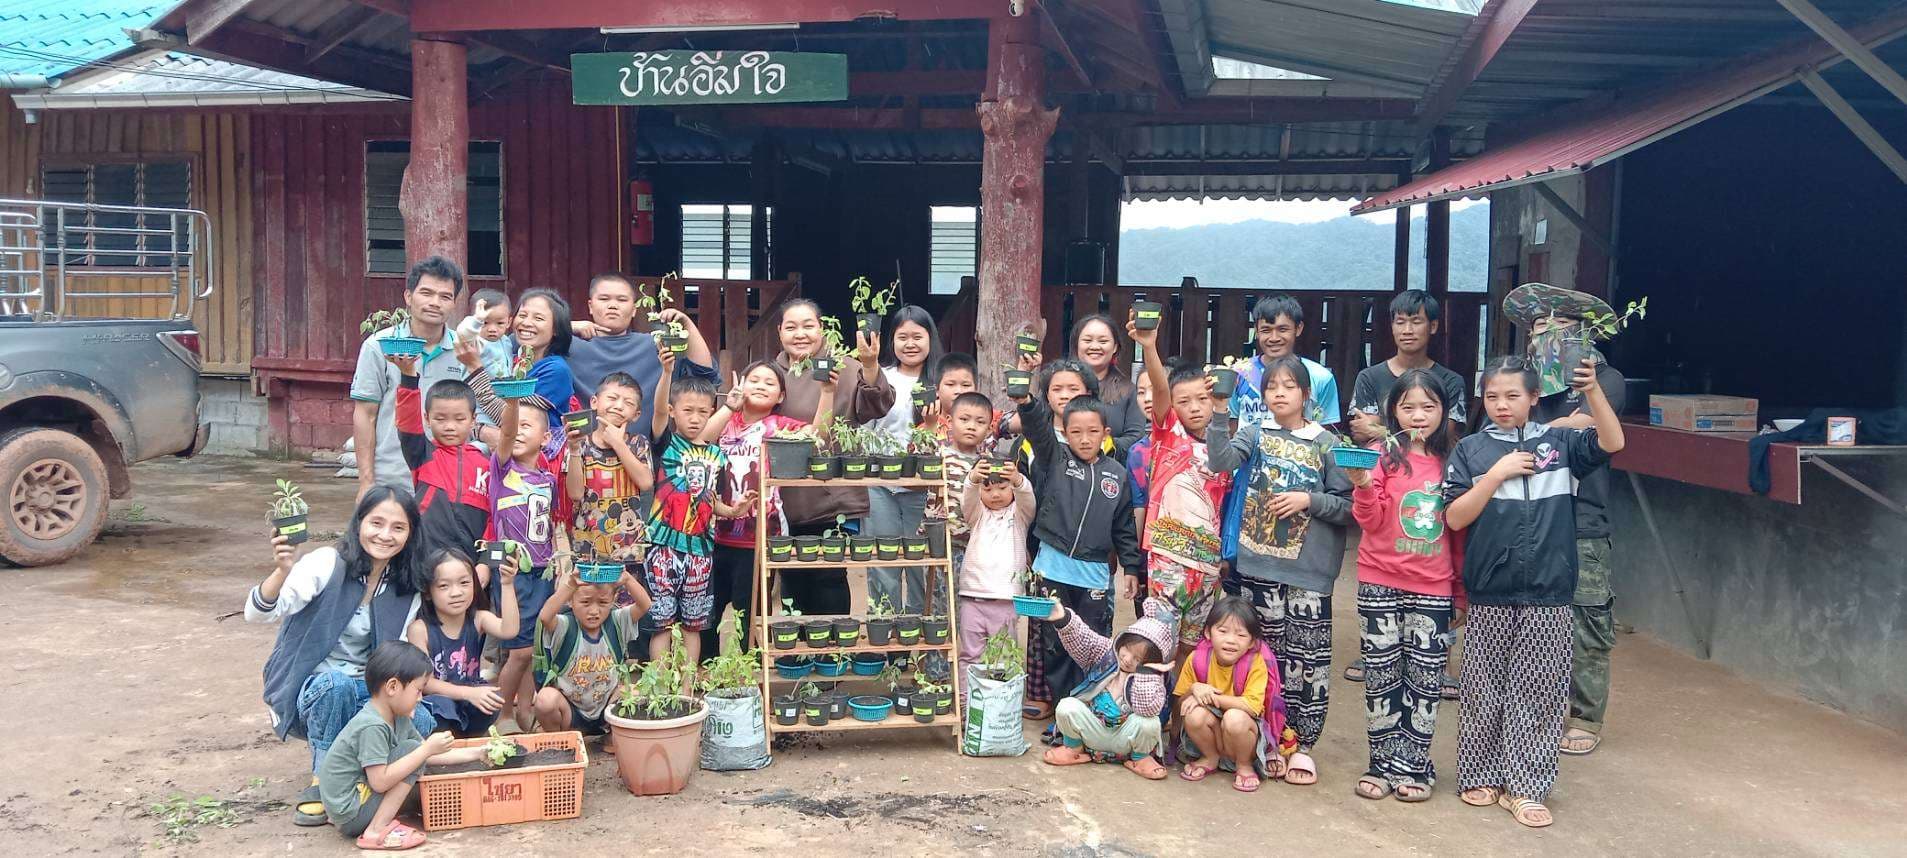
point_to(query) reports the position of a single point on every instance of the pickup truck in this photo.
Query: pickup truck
(82, 399)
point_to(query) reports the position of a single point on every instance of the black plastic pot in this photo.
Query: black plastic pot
(922, 399)
(880, 630)
(934, 629)
(293, 528)
(1018, 382)
(935, 532)
(930, 467)
(781, 549)
(891, 466)
(907, 630)
(808, 548)
(870, 323)
(1224, 381)
(833, 553)
(1147, 314)
(818, 634)
(943, 702)
(784, 634)
(861, 548)
(855, 467)
(847, 631)
(1026, 344)
(903, 699)
(914, 548)
(677, 343)
(824, 368)
(788, 458)
(817, 709)
(837, 706)
(787, 710)
(824, 467)
(581, 422)
(923, 710)
(888, 547)
(494, 555)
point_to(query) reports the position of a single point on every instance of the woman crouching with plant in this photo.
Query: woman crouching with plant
(334, 606)
(1407, 587)
(812, 347)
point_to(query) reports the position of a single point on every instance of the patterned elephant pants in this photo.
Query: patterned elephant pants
(1296, 624)
(1406, 643)
(1515, 682)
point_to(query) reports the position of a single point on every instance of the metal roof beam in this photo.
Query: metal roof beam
(1855, 123)
(338, 30)
(1850, 47)
(1480, 43)
(1065, 48)
(1575, 218)
(1191, 43)
(204, 18)
(1280, 167)
(249, 43)
(444, 16)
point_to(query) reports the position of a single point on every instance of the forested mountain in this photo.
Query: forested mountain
(1344, 253)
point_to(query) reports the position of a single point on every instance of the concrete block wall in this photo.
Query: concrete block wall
(238, 418)
(307, 416)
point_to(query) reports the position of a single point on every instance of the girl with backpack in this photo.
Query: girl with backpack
(1407, 588)
(1231, 701)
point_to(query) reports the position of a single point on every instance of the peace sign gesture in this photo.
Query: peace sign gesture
(734, 400)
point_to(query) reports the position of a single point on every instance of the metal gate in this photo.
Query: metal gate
(54, 256)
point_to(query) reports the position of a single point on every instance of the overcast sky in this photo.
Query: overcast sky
(1182, 213)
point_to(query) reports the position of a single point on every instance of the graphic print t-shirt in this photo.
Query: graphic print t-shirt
(609, 518)
(1405, 543)
(741, 442)
(1185, 526)
(590, 678)
(1286, 463)
(522, 499)
(687, 477)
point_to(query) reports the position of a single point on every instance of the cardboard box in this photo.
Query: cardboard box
(1704, 413)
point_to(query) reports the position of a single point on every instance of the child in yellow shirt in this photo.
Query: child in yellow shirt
(1231, 714)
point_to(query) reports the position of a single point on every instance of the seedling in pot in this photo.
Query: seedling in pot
(672, 334)
(288, 513)
(1018, 382)
(517, 383)
(1026, 343)
(1002, 657)
(922, 398)
(785, 634)
(391, 344)
(659, 689)
(880, 621)
(734, 672)
(1146, 315)
(870, 304)
(937, 694)
(1224, 378)
(789, 451)
(501, 749)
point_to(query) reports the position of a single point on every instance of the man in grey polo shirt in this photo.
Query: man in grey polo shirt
(430, 292)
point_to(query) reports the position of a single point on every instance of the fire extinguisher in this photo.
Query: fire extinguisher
(642, 212)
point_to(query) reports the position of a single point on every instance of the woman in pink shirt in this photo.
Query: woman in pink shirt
(1408, 588)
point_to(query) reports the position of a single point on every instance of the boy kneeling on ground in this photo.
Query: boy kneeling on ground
(367, 775)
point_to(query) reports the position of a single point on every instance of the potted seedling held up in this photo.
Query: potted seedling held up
(1224, 378)
(1018, 382)
(1146, 315)
(392, 344)
(519, 384)
(672, 336)
(870, 304)
(288, 514)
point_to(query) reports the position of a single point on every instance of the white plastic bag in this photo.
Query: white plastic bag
(735, 737)
(993, 727)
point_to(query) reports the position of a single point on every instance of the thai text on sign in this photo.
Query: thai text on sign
(707, 77)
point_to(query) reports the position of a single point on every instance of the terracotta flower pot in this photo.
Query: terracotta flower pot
(657, 757)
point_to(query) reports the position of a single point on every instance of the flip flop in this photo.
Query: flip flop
(1354, 672)
(1193, 772)
(1524, 810)
(310, 798)
(1146, 767)
(1450, 690)
(1301, 762)
(1420, 792)
(1564, 747)
(1481, 796)
(1245, 781)
(1065, 756)
(395, 838)
(1373, 788)
(1036, 710)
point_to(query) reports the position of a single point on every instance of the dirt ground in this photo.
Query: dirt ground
(135, 681)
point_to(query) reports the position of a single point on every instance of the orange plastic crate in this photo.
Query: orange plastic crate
(529, 794)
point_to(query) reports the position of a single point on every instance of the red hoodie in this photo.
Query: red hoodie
(1406, 544)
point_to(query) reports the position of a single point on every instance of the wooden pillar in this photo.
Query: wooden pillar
(1437, 245)
(763, 162)
(434, 197)
(1400, 251)
(1015, 124)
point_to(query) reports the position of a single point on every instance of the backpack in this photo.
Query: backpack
(1273, 721)
(550, 663)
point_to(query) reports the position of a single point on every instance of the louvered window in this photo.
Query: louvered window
(145, 241)
(718, 240)
(956, 247)
(384, 162)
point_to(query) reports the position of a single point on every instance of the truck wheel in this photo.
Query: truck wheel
(53, 495)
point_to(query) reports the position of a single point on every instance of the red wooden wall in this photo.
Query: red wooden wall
(562, 222)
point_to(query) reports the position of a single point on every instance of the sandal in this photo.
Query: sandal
(1301, 764)
(1373, 788)
(1193, 772)
(1579, 742)
(308, 810)
(1036, 710)
(1413, 792)
(1245, 781)
(1526, 811)
(1450, 690)
(1481, 796)
(395, 838)
(1065, 756)
(1146, 767)
(1354, 672)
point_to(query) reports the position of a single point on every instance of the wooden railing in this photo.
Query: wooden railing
(1345, 331)
(735, 316)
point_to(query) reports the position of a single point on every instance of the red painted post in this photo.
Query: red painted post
(1016, 124)
(434, 198)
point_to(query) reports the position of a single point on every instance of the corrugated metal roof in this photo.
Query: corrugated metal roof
(1578, 143)
(173, 72)
(52, 39)
(1392, 45)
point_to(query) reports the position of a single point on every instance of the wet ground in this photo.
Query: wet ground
(134, 681)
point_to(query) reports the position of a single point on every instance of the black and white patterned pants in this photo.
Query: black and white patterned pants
(1406, 643)
(1515, 683)
(1296, 623)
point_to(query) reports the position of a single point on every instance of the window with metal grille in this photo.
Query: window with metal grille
(384, 163)
(119, 239)
(718, 240)
(955, 247)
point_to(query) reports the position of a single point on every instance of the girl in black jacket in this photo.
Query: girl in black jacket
(1512, 486)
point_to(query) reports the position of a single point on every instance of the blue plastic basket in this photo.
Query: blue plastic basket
(868, 665)
(599, 573)
(515, 388)
(1361, 458)
(793, 667)
(871, 707)
(830, 667)
(1037, 607)
(401, 346)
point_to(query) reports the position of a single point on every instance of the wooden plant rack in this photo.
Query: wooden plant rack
(767, 571)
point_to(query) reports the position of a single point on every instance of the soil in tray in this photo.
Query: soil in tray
(545, 757)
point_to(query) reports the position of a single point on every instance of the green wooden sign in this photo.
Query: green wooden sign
(707, 77)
